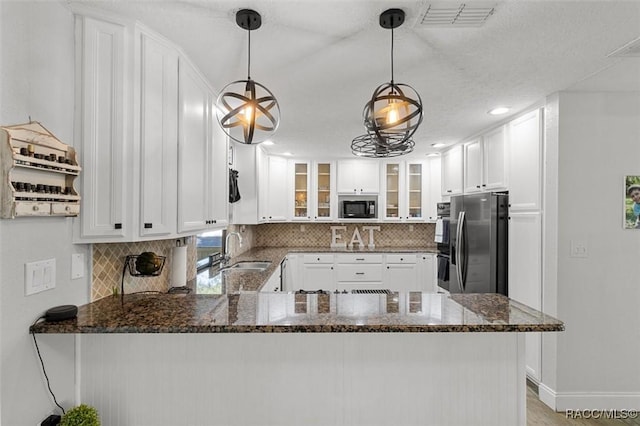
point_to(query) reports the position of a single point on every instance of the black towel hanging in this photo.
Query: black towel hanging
(234, 191)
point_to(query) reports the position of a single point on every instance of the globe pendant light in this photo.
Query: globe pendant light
(394, 111)
(246, 110)
(368, 146)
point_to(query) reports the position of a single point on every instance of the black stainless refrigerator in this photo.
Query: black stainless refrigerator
(478, 243)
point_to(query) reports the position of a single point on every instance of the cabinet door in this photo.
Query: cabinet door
(393, 202)
(158, 129)
(452, 171)
(473, 166)
(358, 177)
(324, 185)
(317, 276)
(277, 202)
(416, 191)
(262, 183)
(401, 277)
(193, 150)
(102, 135)
(301, 173)
(219, 177)
(427, 277)
(434, 194)
(525, 276)
(495, 160)
(524, 161)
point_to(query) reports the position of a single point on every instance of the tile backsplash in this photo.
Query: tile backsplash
(319, 234)
(109, 261)
(109, 258)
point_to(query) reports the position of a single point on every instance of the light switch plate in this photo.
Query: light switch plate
(77, 266)
(579, 248)
(39, 276)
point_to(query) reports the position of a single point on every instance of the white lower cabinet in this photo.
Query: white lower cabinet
(350, 271)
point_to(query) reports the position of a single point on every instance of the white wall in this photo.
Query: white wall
(597, 297)
(37, 80)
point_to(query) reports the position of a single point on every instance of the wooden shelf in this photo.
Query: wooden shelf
(19, 147)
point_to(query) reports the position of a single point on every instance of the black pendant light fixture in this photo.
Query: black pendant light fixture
(246, 110)
(394, 112)
(367, 146)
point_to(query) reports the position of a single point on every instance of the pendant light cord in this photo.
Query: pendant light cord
(392, 56)
(249, 57)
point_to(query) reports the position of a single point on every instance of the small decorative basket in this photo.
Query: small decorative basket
(151, 271)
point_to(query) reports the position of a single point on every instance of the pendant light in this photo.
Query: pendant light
(246, 110)
(367, 146)
(394, 111)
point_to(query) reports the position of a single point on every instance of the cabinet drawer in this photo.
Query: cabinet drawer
(32, 208)
(317, 258)
(359, 272)
(402, 258)
(359, 258)
(65, 209)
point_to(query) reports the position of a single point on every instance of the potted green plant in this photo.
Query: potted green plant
(82, 415)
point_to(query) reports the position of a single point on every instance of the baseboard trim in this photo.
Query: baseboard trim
(563, 401)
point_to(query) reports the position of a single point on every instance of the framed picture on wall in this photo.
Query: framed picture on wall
(632, 202)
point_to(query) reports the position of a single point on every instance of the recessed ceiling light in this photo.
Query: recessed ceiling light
(287, 153)
(438, 145)
(498, 111)
(433, 154)
(268, 142)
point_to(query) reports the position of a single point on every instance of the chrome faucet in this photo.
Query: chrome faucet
(226, 257)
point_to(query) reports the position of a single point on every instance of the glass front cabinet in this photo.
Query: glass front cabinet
(403, 198)
(324, 188)
(301, 191)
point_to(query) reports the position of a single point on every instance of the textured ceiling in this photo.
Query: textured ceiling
(322, 59)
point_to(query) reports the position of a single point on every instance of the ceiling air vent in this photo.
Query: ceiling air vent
(629, 50)
(445, 14)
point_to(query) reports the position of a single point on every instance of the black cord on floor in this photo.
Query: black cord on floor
(42, 363)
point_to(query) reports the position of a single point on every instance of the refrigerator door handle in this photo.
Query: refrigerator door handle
(459, 250)
(464, 252)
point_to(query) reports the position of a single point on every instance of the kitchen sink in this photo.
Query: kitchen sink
(251, 266)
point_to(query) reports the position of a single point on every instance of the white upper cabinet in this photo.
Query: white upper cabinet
(300, 171)
(473, 176)
(153, 167)
(524, 161)
(416, 191)
(393, 199)
(194, 150)
(434, 194)
(158, 133)
(485, 162)
(452, 171)
(101, 132)
(358, 177)
(494, 159)
(324, 200)
(277, 201)
(219, 177)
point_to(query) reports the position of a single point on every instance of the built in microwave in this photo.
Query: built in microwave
(358, 209)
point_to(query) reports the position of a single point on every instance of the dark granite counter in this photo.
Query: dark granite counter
(254, 312)
(239, 281)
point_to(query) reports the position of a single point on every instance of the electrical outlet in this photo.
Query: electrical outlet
(77, 266)
(39, 276)
(579, 248)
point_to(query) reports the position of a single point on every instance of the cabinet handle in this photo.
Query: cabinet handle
(448, 190)
(478, 186)
(401, 259)
(118, 226)
(360, 258)
(484, 184)
(36, 208)
(148, 225)
(215, 221)
(387, 267)
(359, 273)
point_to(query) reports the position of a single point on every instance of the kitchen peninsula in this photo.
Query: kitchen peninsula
(260, 358)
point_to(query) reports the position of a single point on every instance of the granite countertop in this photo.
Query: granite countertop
(238, 281)
(260, 312)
